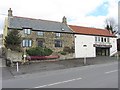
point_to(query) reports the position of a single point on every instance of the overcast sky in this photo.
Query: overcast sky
(89, 13)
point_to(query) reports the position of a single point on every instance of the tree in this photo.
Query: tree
(111, 25)
(13, 40)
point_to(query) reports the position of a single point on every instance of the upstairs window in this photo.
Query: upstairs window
(40, 33)
(96, 39)
(27, 31)
(57, 35)
(101, 39)
(108, 39)
(105, 40)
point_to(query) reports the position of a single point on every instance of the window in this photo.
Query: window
(99, 39)
(58, 43)
(102, 39)
(57, 35)
(105, 40)
(96, 39)
(27, 31)
(27, 43)
(108, 39)
(40, 43)
(40, 33)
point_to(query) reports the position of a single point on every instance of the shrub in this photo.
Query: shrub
(62, 53)
(47, 51)
(39, 51)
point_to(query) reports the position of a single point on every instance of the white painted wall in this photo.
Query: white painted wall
(113, 49)
(90, 50)
(80, 41)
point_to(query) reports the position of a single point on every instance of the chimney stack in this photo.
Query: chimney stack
(10, 12)
(64, 20)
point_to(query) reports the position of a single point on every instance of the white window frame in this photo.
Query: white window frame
(108, 39)
(40, 33)
(27, 31)
(96, 39)
(99, 39)
(57, 35)
(105, 39)
(27, 43)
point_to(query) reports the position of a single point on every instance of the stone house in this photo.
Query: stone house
(37, 32)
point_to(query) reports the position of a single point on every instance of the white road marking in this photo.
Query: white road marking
(58, 83)
(111, 71)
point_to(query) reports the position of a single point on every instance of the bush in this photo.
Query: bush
(47, 51)
(62, 52)
(39, 51)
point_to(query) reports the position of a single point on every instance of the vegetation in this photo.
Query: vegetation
(62, 53)
(13, 40)
(39, 51)
(111, 25)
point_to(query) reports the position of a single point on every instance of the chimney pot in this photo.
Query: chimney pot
(10, 12)
(64, 20)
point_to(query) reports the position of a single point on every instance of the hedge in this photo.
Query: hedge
(39, 51)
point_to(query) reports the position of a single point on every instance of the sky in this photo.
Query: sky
(88, 13)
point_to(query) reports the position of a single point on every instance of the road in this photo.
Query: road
(94, 76)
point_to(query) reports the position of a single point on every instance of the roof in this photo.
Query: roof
(16, 22)
(90, 31)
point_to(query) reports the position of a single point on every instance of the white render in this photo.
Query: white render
(113, 42)
(84, 45)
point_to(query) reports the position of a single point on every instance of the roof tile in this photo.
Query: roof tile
(90, 31)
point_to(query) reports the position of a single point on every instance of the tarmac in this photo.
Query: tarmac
(42, 66)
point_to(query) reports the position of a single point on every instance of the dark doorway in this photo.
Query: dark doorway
(102, 51)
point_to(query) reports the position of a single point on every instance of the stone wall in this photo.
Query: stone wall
(49, 40)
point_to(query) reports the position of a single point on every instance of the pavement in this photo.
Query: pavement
(37, 67)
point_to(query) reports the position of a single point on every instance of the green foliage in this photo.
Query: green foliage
(13, 40)
(62, 53)
(39, 51)
(47, 51)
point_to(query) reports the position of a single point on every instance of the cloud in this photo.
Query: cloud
(77, 11)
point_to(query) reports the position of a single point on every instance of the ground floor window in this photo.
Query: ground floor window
(102, 51)
(58, 43)
(27, 43)
(40, 43)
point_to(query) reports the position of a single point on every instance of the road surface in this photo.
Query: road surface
(94, 76)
